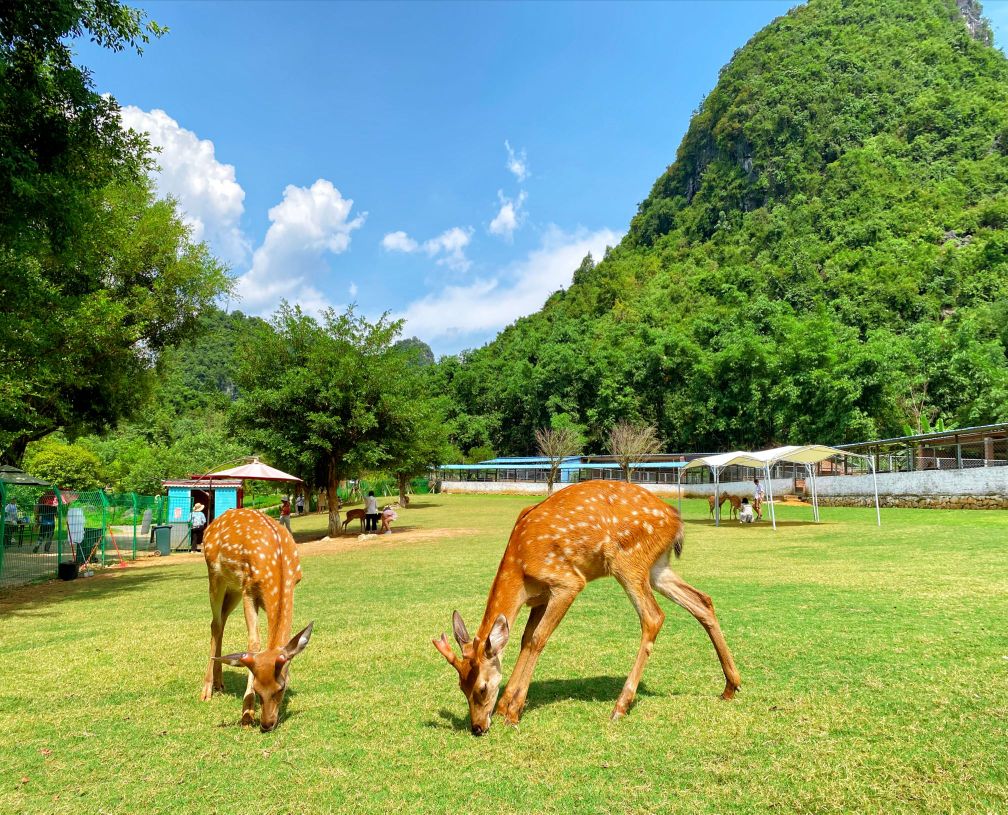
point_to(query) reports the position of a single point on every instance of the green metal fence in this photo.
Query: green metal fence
(34, 533)
(45, 526)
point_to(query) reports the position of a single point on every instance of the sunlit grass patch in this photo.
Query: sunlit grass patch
(874, 679)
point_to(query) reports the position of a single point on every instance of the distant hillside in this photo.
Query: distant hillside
(826, 259)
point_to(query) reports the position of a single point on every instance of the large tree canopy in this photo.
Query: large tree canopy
(334, 398)
(97, 277)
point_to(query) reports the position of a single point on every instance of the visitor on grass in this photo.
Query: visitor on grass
(370, 513)
(285, 512)
(758, 495)
(745, 515)
(198, 521)
(388, 515)
(300, 505)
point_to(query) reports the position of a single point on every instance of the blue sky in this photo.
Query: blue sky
(448, 163)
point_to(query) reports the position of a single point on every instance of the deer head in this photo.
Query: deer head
(479, 669)
(269, 673)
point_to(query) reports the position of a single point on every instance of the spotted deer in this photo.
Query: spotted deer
(253, 560)
(585, 531)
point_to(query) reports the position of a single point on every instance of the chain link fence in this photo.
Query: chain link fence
(44, 527)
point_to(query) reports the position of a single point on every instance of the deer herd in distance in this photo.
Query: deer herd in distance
(586, 531)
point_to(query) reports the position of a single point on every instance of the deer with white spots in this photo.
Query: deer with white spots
(585, 531)
(253, 560)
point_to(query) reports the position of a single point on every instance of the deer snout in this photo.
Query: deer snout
(477, 730)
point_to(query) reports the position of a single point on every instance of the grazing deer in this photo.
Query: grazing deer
(354, 514)
(720, 502)
(736, 505)
(252, 559)
(585, 531)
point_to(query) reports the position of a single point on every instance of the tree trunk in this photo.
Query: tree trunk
(333, 500)
(550, 478)
(403, 497)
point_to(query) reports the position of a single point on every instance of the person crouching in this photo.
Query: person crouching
(745, 515)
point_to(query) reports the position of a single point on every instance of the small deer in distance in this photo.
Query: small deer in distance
(583, 532)
(253, 560)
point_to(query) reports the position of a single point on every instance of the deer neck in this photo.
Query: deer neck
(507, 595)
(279, 609)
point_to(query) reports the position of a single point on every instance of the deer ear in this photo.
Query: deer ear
(461, 635)
(238, 660)
(298, 642)
(498, 636)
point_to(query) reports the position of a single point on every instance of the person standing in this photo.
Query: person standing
(758, 494)
(198, 521)
(285, 512)
(300, 505)
(370, 513)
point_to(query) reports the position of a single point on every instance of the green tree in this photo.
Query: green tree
(96, 276)
(329, 398)
(68, 466)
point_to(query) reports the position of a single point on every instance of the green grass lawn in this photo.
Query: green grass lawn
(874, 679)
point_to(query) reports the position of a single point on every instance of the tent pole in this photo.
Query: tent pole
(679, 474)
(773, 516)
(878, 513)
(815, 491)
(717, 500)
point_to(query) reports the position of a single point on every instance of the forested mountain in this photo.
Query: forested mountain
(825, 260)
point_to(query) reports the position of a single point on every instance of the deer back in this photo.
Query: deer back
(256, 555)
(591, 529)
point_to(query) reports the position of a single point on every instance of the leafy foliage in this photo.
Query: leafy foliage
(335, 398)
(833, 232)
(96, 276)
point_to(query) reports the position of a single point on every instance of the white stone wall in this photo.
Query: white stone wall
(975, 488)
(529, 487)
(975, 481)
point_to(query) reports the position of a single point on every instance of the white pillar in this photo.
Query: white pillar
(773, 516)
(878, 513)
(679, 474)
(717, 499)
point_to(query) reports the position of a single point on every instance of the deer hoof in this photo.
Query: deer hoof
(729, 692)
(206, 693)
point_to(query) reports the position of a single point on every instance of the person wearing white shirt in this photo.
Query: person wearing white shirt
(370, 513)
(745, 515)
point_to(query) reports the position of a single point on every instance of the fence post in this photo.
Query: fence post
(104, 521)
(133, 497)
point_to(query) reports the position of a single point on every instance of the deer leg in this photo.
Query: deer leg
(534, 618)
(252, 623)
(231, 599)
(651, 619)
(218, 590)
(554, 612)
(700, 606)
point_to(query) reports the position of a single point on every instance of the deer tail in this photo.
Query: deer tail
(677, 542)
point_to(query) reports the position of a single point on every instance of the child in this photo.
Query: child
(388, 515)
(745, 513)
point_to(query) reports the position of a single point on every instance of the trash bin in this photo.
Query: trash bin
(162, 538)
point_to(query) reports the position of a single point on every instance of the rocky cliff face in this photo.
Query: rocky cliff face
(972, 14)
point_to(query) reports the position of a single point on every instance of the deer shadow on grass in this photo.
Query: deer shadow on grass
(584, 689)
(765, 522)
(551, 691)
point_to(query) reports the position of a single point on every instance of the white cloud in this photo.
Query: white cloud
(509, 216)
(353, 290)
(517, 163)
(459, 314)
(448, 247)
(399, 242)
(306, 225)
(210, 200)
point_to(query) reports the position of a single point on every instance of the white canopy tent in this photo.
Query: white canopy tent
(807, 455)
